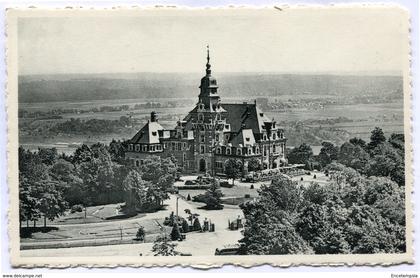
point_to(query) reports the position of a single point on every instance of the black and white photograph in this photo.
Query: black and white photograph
(209, 136)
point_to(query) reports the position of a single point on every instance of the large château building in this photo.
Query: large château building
(212, 133)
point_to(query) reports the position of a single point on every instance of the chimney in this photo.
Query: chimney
(153, 117)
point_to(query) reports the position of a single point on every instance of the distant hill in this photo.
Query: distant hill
(83, 87)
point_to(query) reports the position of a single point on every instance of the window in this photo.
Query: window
(184, 145)
(274, 136)
(265, 137)
(137, 148)
(239, 152)
(184, 157)
(173, 146)
(202, 149)
(218, 150)
(228, 151)
(137, 163)
(200, 117)
(202, 138)
(130, 147)
(154, 133)
(249, 151)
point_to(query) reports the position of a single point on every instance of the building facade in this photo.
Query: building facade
(212, 133)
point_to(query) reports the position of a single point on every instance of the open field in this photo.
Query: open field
(363, 118)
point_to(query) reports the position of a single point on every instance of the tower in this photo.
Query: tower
(208, 88)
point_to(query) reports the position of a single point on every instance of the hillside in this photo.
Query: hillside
(46, 88)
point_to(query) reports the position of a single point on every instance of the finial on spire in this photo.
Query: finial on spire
(208, 66)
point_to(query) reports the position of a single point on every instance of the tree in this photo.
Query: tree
(301, 154)
(328, 153)
(175, 233)
(28, 201)
(353, 156)
(51, 201)
(196, 225)
(185, 227)
(386, 161)
(48, 156)
(397, 141)
(136, 191)
(233, 169)
(254, 165)
(212, 197)
(358, 142)
(163, 247)
(377, 137)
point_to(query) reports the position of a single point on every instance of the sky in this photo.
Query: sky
(335, 40)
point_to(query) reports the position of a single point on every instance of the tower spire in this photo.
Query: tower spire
(208, 66)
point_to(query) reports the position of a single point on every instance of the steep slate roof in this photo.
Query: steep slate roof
(245, 137)
(149, 134)
(247, 114)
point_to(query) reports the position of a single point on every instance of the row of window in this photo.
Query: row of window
(175, 146)
(279, 134)
(144, 147)
(245, 151)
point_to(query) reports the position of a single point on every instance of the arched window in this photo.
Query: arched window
(200, 117)
(218, 150)
(228, 151)
(239, 152)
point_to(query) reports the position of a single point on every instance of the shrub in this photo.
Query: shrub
(77, 208)
(196, 225)
(201, 198)
(175, 234)
(140, 235)
(185, 226)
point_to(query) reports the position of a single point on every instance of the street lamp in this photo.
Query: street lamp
(177, 198)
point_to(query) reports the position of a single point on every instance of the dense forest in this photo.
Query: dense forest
(361, 211)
